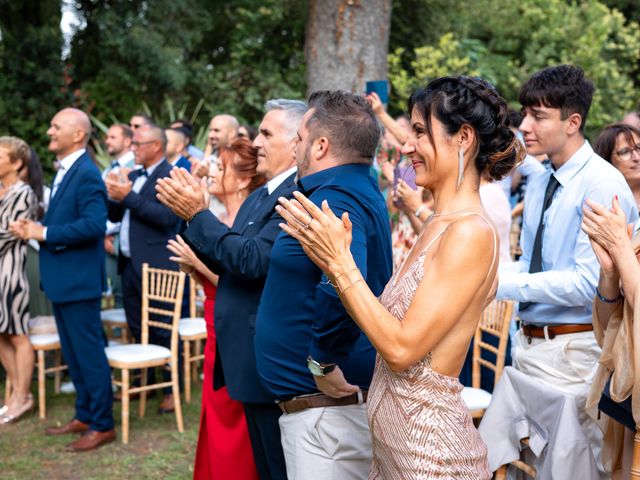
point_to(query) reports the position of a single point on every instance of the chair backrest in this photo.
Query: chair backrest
(164, 287)
(495, 322)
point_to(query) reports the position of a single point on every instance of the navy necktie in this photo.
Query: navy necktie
(535, 265)
(262, 194)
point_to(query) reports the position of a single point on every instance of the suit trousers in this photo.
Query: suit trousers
(132, 300)
(568, 363)
(330, 443)
(82, 340)
(264, 433)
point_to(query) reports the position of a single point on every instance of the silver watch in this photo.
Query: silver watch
(318, 370)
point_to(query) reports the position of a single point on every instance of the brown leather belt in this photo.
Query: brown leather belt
(298, 404)
(554, 330)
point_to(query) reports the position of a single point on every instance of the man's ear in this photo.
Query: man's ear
(320, 148)
(573, 123)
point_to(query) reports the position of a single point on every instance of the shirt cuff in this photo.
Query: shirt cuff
(44, 234)
(508, 286)
(322, 356)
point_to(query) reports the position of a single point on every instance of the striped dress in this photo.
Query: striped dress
(18, 201)
(420, 427)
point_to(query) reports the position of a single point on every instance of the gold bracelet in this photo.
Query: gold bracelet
(346, 271)
(351, 285)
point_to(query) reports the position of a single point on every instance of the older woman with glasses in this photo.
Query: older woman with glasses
(619, 144)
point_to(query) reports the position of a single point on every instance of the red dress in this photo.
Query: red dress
(224, 450)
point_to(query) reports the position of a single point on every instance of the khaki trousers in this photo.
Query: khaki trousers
(567, 363)
(330, 443)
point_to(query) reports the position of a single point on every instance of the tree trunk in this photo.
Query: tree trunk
(347, 42)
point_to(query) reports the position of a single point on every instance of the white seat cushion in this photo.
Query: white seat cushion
(44, 339)
(476, 398)
(192, 326)
(115, 315)
(134, 353)
(113, 343)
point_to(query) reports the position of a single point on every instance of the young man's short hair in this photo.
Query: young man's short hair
(561, 86)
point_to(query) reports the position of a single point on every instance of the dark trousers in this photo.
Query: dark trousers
(264, 433)
(132, 300)
(82, 341)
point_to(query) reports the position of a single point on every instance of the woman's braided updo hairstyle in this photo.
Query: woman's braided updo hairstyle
(456, 101)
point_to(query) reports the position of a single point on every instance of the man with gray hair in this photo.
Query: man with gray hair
(240, 255)
(147, 225)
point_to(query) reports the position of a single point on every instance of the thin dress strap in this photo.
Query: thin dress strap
(493, 231)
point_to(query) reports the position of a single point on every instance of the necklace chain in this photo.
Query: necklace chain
(443, 214)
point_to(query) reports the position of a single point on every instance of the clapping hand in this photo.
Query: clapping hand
(183, 255)
(183, 194)
(407, 199)
(118, 186)
(324, 237)
(608, 231)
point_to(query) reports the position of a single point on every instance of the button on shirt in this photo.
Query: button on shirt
(300, 312)
(138, 183)
(562, 293)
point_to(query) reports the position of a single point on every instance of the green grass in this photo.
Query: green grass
(155, 449)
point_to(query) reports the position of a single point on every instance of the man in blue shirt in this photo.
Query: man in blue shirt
(309, 353)
(556, 277)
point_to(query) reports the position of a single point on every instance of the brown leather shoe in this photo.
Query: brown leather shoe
(91, 440)
(74, 426)
(167, 405)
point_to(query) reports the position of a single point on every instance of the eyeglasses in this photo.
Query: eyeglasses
(626, 153)
(137, 144)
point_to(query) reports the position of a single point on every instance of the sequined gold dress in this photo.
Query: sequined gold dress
(420, 427)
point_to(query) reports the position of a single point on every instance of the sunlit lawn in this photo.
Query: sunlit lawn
(155, 449)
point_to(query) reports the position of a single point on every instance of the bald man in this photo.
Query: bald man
(73, 276)
(222, 130)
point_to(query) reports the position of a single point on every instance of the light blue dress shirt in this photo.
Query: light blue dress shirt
(563, 292)
(125, 244)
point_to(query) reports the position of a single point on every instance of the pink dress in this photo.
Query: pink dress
(420, 426)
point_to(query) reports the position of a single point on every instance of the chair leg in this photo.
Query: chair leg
(42, 398)
(124, 334)
(186, 347)
(125, 406)
(143, 395)
(176, 394)
(57, 376)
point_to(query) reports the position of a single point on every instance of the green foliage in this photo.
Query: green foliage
(32, 81)
(518, 38)
(198, 56)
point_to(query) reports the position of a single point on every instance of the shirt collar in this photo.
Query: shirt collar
(126, 158)
(313, 181)
(572, 166)
(278, 179)
(67, 162)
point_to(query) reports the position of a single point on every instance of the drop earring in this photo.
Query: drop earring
(460, 168)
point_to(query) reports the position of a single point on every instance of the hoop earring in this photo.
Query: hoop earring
(460, 168)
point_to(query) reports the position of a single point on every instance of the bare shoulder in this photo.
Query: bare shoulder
(472, 237)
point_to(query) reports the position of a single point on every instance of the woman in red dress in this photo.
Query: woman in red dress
(224, 450)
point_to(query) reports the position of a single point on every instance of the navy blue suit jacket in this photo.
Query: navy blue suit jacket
(151, 224)
(72, 257)
(241, 256)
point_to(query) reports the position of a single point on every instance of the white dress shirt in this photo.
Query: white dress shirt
(563, 292)
(278, 179)
(127, 160)
(125, 243)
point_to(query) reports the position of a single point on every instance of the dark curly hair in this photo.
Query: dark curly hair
(560, 86)
(456, 101)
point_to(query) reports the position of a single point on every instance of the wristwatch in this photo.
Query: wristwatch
(317, 369)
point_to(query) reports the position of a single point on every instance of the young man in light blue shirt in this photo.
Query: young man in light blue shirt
(556, 277)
